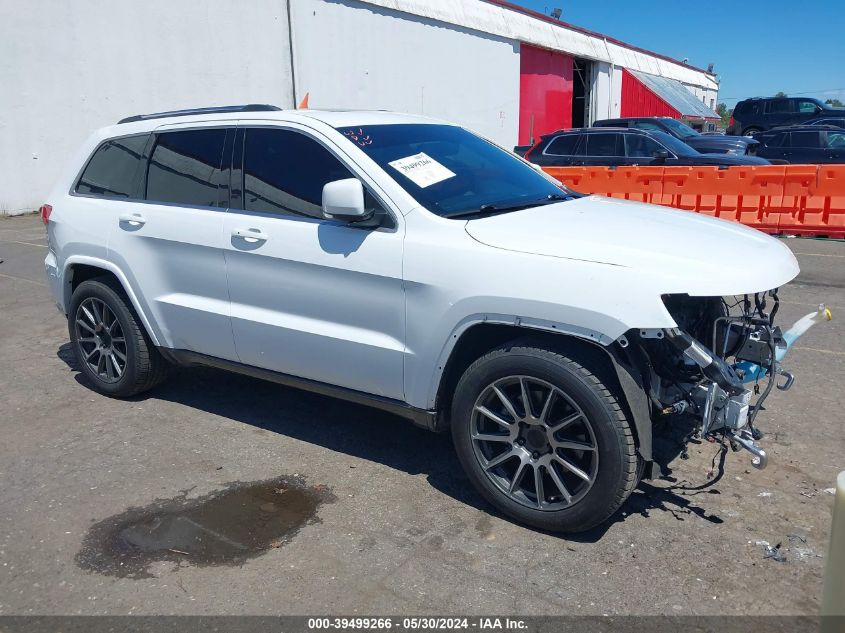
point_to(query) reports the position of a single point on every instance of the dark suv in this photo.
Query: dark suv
(804, 144)
(763, 113)
(704, 143)
(623, 146)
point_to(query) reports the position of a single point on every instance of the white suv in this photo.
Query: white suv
(408, 264)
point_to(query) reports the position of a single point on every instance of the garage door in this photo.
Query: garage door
(545, 92)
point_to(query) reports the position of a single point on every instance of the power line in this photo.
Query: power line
(804, 92)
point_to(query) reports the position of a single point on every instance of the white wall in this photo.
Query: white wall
(356, 55)
(67, 68)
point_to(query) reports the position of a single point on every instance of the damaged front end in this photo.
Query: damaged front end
(720, 364)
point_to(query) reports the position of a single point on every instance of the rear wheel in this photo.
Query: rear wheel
(543, 439)
(111, 346)
(751, 131)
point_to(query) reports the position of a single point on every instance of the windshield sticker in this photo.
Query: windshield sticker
(359, 137)
(421, 169)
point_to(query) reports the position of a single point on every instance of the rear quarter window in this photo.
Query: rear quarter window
(115, 168)
(563, 145)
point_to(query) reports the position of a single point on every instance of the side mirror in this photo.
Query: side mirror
(344, 200)
(661, 154)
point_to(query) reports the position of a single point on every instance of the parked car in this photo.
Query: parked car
(804, 144)
(405, 263)
(763, 113)
(706, 143)
(615, 147)
(830, 121)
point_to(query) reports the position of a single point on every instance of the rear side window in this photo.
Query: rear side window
(563, 145)
(284, 172)
(779, 106)
(115, 169)
(639, 146)
(804, 139)
(603, 145)
(185, 167)
(771, 140)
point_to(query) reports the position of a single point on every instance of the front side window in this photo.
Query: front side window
(285, 171)
(639, 146)
(806, 106)
(449, 170)
(836, 140)
(185, 167)
(115, 169)
(563, 145)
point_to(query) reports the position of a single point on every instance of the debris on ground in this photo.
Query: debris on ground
(774, 553)
(765, 494)
(830, 491)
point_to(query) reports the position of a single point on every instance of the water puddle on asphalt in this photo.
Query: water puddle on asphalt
(226, 527)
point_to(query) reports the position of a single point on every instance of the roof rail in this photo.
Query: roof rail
(249, 107)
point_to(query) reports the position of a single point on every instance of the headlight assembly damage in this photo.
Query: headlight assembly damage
(720, 364)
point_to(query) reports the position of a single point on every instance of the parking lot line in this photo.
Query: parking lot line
(29, 281)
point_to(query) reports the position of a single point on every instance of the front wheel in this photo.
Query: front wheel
(543, 439)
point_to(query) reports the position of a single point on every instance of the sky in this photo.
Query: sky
(758, 47)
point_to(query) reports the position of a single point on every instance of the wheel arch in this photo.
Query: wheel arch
(81, 268)
(609, 364)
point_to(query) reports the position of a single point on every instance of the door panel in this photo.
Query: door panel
(310, 297)
(170, 246)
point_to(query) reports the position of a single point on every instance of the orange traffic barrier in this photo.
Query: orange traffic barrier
(791, 199)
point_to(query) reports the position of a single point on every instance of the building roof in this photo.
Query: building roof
(509, 21)
(676, 95)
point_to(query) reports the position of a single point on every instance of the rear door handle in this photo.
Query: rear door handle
(135, 219)
(250, 235)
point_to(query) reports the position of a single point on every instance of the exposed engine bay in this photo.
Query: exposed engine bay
(720, 364)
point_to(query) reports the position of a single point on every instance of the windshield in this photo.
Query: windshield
(681, 129)
(453, 172)
(674, 145)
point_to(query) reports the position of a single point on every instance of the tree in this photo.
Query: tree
(781, 93)
(722, 111)
(836, 103)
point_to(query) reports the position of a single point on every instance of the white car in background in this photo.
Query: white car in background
(408, 264)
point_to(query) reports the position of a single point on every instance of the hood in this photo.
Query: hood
(717, 143)
(673, 251)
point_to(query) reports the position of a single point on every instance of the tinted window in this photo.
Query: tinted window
(185, 167)
(779, 106)
(284, 172)
(771, 140)
(115, 168)
(804, 139)
(603, 145)
(448, 170)
(563, 145)
(639, 146)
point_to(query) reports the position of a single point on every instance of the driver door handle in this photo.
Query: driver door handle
(250, 235)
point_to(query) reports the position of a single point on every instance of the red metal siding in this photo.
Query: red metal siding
(638, 100)
(545, 92)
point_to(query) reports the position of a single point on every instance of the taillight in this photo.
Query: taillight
(731, 121)
(46, 210)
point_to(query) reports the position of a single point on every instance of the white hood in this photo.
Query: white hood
(675, 251)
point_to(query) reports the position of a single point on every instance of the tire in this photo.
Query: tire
(751, 130)
(584, 427)
(99, 314)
